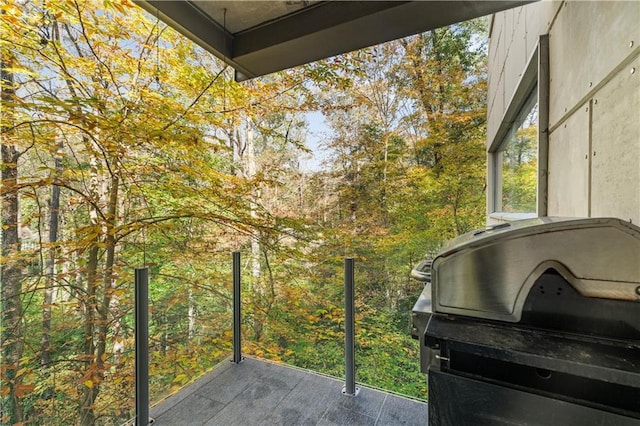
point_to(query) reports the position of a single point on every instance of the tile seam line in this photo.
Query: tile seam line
(284, 397)
(226, 404)
(360, 413)
(384, 401)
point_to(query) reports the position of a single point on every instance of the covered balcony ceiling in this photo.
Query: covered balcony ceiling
(261, 37)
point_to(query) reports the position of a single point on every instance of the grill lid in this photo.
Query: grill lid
(488, 273)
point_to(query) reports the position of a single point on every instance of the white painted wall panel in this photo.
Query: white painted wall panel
(498, 105)
(593, 47)
(518, 58)
(569, 167)
(508, 30)
(538, 20)
(514, 37)
(587, 42)
(615, 188)
(495, 106)
(495, 96)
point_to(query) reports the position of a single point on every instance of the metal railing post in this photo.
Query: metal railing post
(142, 345)
(237, 348)
(349, 332)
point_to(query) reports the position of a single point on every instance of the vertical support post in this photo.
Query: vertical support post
(142, 345)
(544, 79)
(349, 332)
(237, 348)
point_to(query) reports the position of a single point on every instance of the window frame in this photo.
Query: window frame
(534, 78)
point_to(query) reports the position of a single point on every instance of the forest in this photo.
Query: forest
(125, 145)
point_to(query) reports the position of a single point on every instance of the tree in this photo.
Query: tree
(407, 171)
(10, 267)
(124, 145)
(123, 126)
(445, 73)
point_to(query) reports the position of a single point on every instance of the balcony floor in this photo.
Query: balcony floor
(257, 392)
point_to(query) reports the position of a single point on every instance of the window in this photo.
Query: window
(517, 156)
(519, 152)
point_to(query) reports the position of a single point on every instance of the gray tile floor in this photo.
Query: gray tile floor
(257, 392)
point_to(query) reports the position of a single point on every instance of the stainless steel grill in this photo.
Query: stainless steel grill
(533, 322)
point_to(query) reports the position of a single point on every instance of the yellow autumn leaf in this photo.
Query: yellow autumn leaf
(89, 384)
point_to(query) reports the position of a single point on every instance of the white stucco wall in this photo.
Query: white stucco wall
(594, 107)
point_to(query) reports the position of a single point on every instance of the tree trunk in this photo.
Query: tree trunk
(244, 155)
(54, 207)
(10, 269)
(250, 172)
(114, 307)
(87, 414)
(256, 269)
(96, 329)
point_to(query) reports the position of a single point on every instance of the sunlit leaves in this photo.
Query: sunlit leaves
(140, 121)
(151, 132)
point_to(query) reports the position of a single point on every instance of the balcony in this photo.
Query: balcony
(258, 392)
(250, 391)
